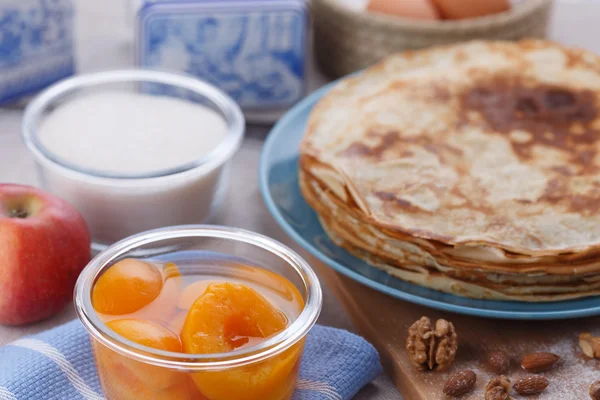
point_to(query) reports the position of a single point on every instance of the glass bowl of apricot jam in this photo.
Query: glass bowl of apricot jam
(198, 313)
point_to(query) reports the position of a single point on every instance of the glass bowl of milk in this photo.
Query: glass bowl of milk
(134, 150)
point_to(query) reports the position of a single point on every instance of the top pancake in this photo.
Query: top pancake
(485, 143)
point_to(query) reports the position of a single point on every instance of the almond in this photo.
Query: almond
(595, 390)
(532, 384)
(498, 362)
(539, 362)
(590, 345)
(460, 383)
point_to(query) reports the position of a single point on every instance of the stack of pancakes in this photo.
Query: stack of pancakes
(472, 169)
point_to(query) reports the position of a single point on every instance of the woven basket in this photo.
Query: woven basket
(346, 40)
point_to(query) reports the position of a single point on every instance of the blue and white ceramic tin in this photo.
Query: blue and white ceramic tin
(36, 45)
(255, 50)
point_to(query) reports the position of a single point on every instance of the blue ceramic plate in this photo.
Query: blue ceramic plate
(279, 186)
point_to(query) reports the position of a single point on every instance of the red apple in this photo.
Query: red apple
(44, 245)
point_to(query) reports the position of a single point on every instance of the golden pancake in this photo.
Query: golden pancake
(472, 169)
(491, 143)
(384, 241)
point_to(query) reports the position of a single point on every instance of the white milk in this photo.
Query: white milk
(133, 134)
(129, 133)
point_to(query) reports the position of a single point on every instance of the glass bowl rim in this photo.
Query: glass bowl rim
(226, 106)
(296, 331)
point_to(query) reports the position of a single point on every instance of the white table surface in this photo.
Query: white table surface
(104, 41)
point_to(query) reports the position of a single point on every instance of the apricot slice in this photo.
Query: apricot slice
(190, 293)
(163, 308)
(130, 388)
(123, 378)
(170, 270)
(149, 334)
(226, 316)
(120, 383)
(126, 287)
(277, 283)
(288, 298)
(272, 379)
(146, 333)
(176, 323)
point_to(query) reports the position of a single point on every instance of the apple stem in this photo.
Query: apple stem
(18, 213)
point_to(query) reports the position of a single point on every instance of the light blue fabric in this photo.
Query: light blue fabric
(58, 364)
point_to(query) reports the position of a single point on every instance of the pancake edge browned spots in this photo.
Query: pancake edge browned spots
(547, 112)
(359, 149)
(563, 170)
(585, 204)
(356, 149)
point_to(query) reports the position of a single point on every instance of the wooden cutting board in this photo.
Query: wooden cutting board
(384, 321)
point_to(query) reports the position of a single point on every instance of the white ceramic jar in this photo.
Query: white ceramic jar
(117, 205)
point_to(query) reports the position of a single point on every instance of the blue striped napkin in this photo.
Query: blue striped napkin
(58, 364)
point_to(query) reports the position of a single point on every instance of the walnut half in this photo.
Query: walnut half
(429, 348)
(498, 389)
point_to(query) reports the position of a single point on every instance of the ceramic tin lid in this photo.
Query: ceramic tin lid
(253, 50)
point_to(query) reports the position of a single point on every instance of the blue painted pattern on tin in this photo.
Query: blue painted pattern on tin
(36, 45)
(253, 50)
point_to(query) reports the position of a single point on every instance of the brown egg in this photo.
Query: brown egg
(459, 9)
(418, 9)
